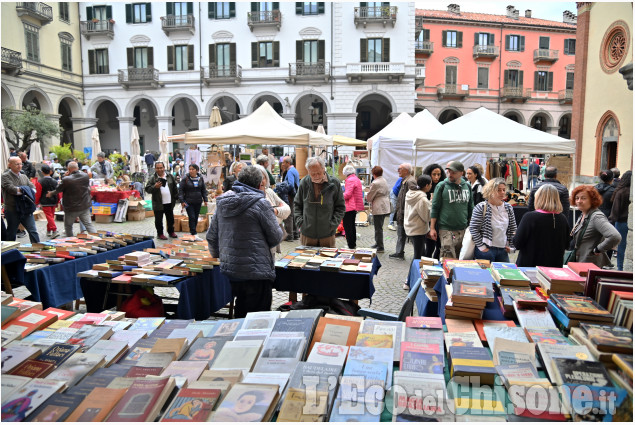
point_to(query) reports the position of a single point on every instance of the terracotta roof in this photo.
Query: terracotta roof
(485, 17)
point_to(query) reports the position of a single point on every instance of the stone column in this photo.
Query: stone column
(125, 133)
(83, 138)
(203, 121)
(53, 140)
(289, 117)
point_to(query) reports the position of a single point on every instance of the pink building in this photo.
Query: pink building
(518, 66)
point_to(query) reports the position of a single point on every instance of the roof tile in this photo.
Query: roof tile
(485, 17)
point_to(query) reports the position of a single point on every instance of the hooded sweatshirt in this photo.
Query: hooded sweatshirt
(243, 230)
(452, 205)
(417, 213)
(606, 192)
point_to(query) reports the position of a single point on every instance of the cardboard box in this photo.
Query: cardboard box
(136, 215)
(184, 224)
(39, 215)
(104, 218)
(136, 203)
(177, 223)
(202, 225)
(149, 213)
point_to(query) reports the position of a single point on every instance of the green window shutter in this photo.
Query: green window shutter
(276, 5)
(169, 8)
(363, 49)
(385, 52)
(170, 58)
(426, 35)
(211, 9)
(128, 13)
(212, 54)
(91, 62)
(522, 43)
(549, 81)
(276, 54)
(490, 39)
(459, 39)
(148, 12)
(299, 51)
(298, 7)
(190, 8)
(320, 7)
(448, 75)
(321, 50)
(363, 4)
(130, 55)
(150, 57)
(254, 6)
(232, 9)
(107, 68)
(444, 36)
(476, 38)
(254, 54)
(232, 54)
(536, 80)
(108, 12)
(190, 57)
(89, 13)
(506, 77)
(520, 78)
(507, 42)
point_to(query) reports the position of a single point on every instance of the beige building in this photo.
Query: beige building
(42, 64)
(602, 121)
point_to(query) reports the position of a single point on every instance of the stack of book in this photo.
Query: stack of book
(581, 269)
(570, 310)
(429, 277)
(329, 259)
(560, 281)
(603, 340)
(471, 290)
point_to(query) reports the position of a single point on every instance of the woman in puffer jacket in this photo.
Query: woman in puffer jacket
(354, 200)
(417, 215)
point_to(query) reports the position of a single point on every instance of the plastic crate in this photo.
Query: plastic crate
(103, 209)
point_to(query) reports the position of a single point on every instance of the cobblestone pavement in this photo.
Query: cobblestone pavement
(388, 296)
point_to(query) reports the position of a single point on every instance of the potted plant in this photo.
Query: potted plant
(95, 20)
(112, 21)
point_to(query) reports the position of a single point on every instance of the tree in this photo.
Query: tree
(22, 124)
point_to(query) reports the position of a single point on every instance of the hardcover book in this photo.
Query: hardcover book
(580, 307)
(97, 405)
(25, 400)
(581, 269)
(143, 400)
(473, 275)
(611, 338)
(511, 277)
(192, 405)
(469, 292)
(58, 353)
(33, 369)
(9, 313)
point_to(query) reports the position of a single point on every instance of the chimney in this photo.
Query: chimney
(454, 8)
(528, 13)
(569, 18)
(510, 11)
(516, 14)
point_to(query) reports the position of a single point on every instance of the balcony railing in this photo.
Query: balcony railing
(40, 11)
(485, 51)
(11, 60)
(565, 96)
(382, 14)
(545, 55)
(215, 74)
(171, 23)
(270, 18)
(425, 47)
(139, 77)
(512, 93)
(388, 71)
(97, 28)
(309, 71)
(452, 90)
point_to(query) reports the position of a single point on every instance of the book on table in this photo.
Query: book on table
(547, 352)
(616, 339)
(206, 349)
(25, 400)
(333, 331)
(580, 307)
(472, 361)
(238, 355)
(481, 324)
(506, 352)
(143, 400)
(331, 354)
(511, 277)
(191, 405)
(14, 355)
(184, 372)
(97, 405)
(77, 367)
(559, 280)
(262, 399)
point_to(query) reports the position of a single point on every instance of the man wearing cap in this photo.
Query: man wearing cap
(452, 206)
(102, 169)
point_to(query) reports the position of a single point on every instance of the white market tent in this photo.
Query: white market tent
(263, 126)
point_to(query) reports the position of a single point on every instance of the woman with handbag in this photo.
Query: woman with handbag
(493, 224)
(192, 194)
(593, 233)
(543, 235)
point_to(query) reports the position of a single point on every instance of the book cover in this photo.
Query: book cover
(473, 275)
(299, 324)
(9, 313)
(347, 411)
(185, 371)
(141, 347)
(77, 367)
(424, 322)
(97, 405)
(513, 334)
(143, 400)
(228, 328)
(415, 360)
(30, 321)
(58, 353)
(523, 296)
(280, 379)
(426, 336)
(102, 377)
(590, 405)
(10, 383)
(247, 403)
(192, 405)
(511, 277)
(560, 275)
(508, 351)
(534, 317)
(88, 335)
(231, 376)
(385, 328)
(111, 350)
(174, 346)
(459, 325)
(517, 372)
(548, 352)
(616, 339)
(467, 291)
(472, 361)
(581, 269)
(238, 355)
(280, 355)
(260, 320)
(56, 409)
(372, 340)
(206, 349)
(190, 334)
(546, 336)
(481, 324)
(333, 331)
(580, 307)
(367, 374)
(28, 398)
(462, 339)
(128, 336)
(14, 355)
(421, 396)
(379, 355)
(330, 354)
(33, 369)
(315, 379)
(147, 324)
(581, 372)
(496, 265)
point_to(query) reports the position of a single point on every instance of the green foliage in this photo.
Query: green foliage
(116, 165)
(21, 124)
(63, 152)
(81, 156)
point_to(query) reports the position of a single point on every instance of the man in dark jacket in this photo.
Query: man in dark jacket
(242, 233)
(27, 167)
(76, 200)
(606, 189)
(12, 183)
(162, 186)
(551, 174)
(408, 182)
(318, 205)
(149, 159)
(534, 172)
(48, 184)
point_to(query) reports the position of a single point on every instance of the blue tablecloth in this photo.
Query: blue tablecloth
(427, 308)
(13, 262)
(347, 285)
(199, 296)
(58, 284)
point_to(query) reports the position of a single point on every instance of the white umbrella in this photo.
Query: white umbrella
(163, 148)
(35, 153)
(96, 143)
(215, 119)
(135, 154)
(4, 160)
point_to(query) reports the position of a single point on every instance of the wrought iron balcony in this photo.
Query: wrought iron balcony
(11, 61)
(424, 47)
(222, 75)
(381, 14)
(565, 96)
(305, 71)
(270, 18)
(381, 71)
(515, 93)
(485, 51)
(455, 91)
(40, 11)
(139, 77)
(546, 55)
(172, 23)
(420, 73)
(96, 28)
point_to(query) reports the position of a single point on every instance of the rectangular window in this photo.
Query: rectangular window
(451, 39)
(374, 9)
(483, 39)
(222, 10)
(374, 50)
(513, 79)
(265, 54)
(64, 12)
(424, 35)
(67, 63)
(543, 43)
(265, 6)
(223, 59)
(101, 61)
(310, 8)
(140, 57)
(450, 75)
(180, 58)
(515, 43)
(139, 13)
(310, 51)
(569, 46)
(32, 37)
(483, 78)
(569, 83)
(543, 81)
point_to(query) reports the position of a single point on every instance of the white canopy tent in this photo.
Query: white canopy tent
(263, 126)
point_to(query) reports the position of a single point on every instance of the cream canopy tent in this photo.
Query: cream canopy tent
(396, 129)
(263, 126)
(347, 141)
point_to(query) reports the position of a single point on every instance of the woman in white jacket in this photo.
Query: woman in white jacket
(280, 209)
(417, 214)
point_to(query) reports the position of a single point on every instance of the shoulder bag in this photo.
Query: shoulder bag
(468, 246)
(570, 254)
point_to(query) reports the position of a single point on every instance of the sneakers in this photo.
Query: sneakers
(21, 234)
(380, 249)
(174, 235)
(374, 246)
(289, 239)
(54, 234)
(397, 256)
(406, 287)
(391, 227)
(162, 237)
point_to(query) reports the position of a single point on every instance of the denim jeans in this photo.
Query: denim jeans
(14, 220)
(533, 181)
(84, 218)
(393, 203)
(621, 248)
(494, 254)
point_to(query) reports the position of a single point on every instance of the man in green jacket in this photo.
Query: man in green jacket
(162, 186)
(452, 206)
(318, 205)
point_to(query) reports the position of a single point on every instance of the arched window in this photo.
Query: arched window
(610, 134)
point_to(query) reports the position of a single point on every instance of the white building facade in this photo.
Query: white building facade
(164, 66)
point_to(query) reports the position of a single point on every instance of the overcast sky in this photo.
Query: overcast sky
(551, 10)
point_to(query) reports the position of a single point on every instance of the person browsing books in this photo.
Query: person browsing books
(280, 208)
(417, 215)
(192, 194)
(408, 183)
(102, 169)
(619, 214)
(379, 198)
(354, 201)
(162, 187)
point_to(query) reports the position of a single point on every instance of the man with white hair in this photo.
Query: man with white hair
(102, 169)
(318, 206)
(292, 180)
(408, 182)
(15, 186)
(76, 200)
(264, 161)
